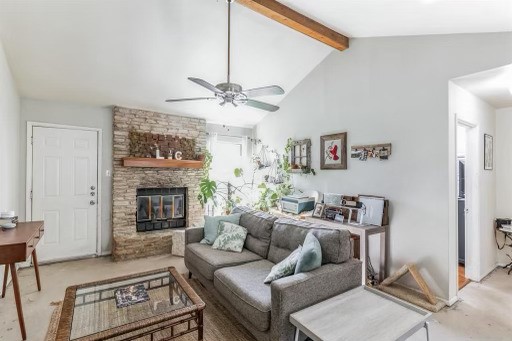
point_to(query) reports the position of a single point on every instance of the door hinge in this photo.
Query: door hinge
(32, 140)
(31, 192)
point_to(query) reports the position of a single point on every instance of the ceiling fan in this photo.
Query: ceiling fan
(234, 93)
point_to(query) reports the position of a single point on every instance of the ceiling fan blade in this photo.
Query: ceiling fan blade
(264, 91)
(261, 105)
(205, 84)
(189, 99)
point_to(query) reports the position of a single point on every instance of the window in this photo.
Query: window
(228, 153)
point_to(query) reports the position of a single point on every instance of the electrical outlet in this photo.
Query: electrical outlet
(107, 172)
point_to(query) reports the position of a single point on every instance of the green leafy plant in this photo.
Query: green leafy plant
(221, 192)
(207, 187)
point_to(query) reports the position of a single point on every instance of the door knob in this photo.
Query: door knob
(92, 194)
(92, 202)
(93, 188)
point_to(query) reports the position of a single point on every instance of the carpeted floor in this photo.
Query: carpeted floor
(219, 324)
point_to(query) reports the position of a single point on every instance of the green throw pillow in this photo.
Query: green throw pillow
(230, 237)
(310, 257)
(285, 267)
(211, 225)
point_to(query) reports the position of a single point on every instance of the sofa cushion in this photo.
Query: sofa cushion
(243, 287)
(288, 234)
(259, 227)
(231, 237)
(284, 268)
(211, 226)
(207, 260)
(310, 257)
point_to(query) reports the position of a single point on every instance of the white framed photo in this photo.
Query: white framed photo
(319, 210)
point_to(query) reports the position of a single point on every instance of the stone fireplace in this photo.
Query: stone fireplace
(163, 227)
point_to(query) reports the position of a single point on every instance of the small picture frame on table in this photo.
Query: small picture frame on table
(318, 212)
(339, 218)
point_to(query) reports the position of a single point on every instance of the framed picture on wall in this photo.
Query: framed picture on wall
(488, 152)
(333, 151)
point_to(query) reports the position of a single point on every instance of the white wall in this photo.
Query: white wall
(9, 144)
(480, 183)
(503, 144)
(393, 90)
(74, 115)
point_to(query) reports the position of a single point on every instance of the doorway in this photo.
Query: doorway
(462, 208)
(464, 169)
(62, 172)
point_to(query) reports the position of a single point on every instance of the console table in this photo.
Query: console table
(17, 245)
(364, 232)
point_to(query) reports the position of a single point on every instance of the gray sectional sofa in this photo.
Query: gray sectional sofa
(236, 279)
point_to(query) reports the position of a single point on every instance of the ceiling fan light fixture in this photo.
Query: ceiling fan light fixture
(233, 93)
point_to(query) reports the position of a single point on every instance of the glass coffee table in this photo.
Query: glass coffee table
(154, 305)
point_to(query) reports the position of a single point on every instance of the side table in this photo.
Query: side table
(17, 245)
(362, 313)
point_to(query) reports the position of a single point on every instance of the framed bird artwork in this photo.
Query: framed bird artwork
(333, 151)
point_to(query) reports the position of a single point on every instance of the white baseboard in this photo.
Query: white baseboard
(451, 301)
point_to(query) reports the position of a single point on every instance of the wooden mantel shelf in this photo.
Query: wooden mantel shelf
(160, 163)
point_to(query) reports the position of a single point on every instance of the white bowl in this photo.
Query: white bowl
(8, 225)
(7, 214)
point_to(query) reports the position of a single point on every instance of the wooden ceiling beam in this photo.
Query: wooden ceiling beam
(299, 22)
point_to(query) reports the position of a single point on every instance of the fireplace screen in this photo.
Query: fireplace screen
(160, 208)
(143, 208)
(178, 208)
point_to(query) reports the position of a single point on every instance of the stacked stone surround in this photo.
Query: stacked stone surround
(127, 243)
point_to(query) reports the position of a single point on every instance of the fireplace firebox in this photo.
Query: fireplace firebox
(161, 208)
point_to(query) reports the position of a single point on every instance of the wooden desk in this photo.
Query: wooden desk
(17, 245)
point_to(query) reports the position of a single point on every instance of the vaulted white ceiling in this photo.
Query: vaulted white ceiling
(137, 53)
(380, 18)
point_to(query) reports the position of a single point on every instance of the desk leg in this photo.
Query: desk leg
(36, 268)
(6, 274)
(17, 298)
(383, 264)
(426, 329)
(297, 332)
(363, 242)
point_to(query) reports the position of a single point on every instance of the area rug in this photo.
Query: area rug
(219, 323)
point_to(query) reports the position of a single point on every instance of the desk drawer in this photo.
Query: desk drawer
(32, 243)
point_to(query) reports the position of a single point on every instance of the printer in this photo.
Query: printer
(297, 203)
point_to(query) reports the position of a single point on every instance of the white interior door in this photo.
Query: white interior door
(64, 191)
